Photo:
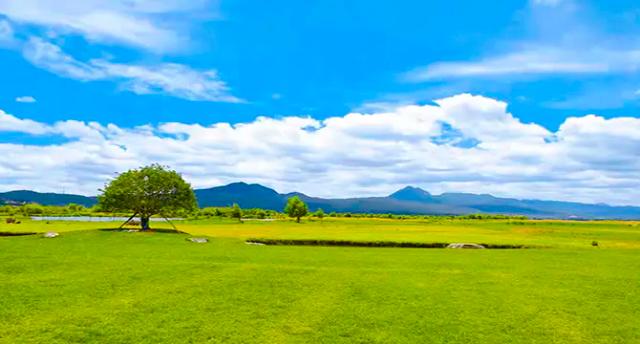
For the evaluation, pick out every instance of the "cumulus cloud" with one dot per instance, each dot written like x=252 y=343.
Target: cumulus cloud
x=589 y=158
x=11 y=123
x=167 y=78
x=25 y=99
x=159 y=26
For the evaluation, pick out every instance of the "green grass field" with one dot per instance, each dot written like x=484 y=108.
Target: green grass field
x=112 y=287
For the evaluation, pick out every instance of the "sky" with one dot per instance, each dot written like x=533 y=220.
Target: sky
x=534 y=99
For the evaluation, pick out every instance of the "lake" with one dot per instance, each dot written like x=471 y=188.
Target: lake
x=96 y=218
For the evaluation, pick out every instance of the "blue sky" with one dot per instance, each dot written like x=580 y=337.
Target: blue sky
x=325 y=58
x=142 y=65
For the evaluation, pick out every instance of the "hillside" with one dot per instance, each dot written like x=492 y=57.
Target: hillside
x=26 y=196
x=413 y=200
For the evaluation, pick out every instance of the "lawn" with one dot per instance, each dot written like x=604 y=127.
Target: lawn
x=97 y=286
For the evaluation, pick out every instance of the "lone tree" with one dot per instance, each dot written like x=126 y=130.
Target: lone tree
x=296 y=208
x=319 y=213
x=236 y=212
x=148 y=191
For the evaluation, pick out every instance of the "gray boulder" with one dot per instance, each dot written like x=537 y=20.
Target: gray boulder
x=199 y=240
x=464 y=245
x=50 y=235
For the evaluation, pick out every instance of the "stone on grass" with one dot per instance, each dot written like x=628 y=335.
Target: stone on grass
x=50 y=235
x=464 y=245
x=199 y=240
x=254 y=243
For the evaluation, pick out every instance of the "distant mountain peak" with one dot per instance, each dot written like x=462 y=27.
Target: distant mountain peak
x=411 y=193
x=244 y=187
x=295 y=193
x=237 y=184
x=246 y=195
x=414 y=189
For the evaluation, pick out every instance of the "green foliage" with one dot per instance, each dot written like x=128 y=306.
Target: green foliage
x=296 y=208
x=236 y=212
x=31 y=209
x=8 y=210
x=252 y=213
x=491 y=217
x=148 y=191
x=319 y=213
x=261 y=214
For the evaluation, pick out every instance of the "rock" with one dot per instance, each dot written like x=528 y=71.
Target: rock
x=464 y=245
x=199 y=240
x=254 y=243
x=50 y=235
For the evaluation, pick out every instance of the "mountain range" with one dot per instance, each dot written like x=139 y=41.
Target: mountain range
x=409 y=200
x=26 y=196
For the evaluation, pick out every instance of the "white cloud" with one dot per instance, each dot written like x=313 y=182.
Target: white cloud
x=25 y=99
x=49 y=56
x=160 y=26
x=157 y=26
x=167 y=78
x=11 y=123
x=551 y=3
x=560 y=38
x=6 y=31
x=534 y=60
x=588 y=158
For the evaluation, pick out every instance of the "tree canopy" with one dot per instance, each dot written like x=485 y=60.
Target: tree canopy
x=148 y=191
x=236 y=212
x=296 y=208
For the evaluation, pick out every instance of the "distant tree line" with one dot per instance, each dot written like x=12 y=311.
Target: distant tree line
x=33 y=209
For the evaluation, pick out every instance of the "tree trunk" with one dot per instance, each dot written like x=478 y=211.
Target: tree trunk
x=298 y=219
x=129 y=219
x=144 y=223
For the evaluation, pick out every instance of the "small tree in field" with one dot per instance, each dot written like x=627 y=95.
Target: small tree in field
x=319 y=213
x=236 y=212
x=148 y=191
x=296 y=208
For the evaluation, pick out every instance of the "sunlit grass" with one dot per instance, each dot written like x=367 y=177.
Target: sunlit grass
x=542 y=233
x=114 y=287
